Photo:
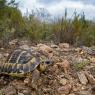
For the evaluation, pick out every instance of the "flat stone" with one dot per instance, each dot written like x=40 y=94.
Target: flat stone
x=92 y=59
x=65 y=65
x=63 y=81
x=72 y=94
x=64 y=89
x=54 y=46
x=92 y=90
x=64 y=45
x=45 y=49
x=91 y=79
x=84 y=93
x=1 y=55
x=20 y=94
x=82 y=78
x=27 y=92
x=27 y=80
x=26 y=47
x=10 y=90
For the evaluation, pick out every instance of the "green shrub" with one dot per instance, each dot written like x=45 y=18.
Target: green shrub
x=77 y=31
x=81 y=65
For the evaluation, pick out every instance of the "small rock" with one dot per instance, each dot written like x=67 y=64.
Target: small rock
x=45 y=49
x=83 y=93
x=92 y=70
x=82 y=78
x=65 y=65
x=54 y=69
x=1 y=92
x=56 y=59
x=91 y=79
x=63 y=81
x=79 y=60
x=26 y=47
x=64 y=45
x=13 y=42
x=6 y=54
x=92 y=59
x=45 y=90
x=27 y=92
x=27 y=81
x=2 y=48
x=10 y=90
x=64 y=89
x=2 y=82
x=72 y=94
x=54 y=46
x=19 y=85
x=1 y=55
x=34 y=93
x=78 y=49
x=20 y=93
x=83 y=87
x=23 y=42
x=92 y=90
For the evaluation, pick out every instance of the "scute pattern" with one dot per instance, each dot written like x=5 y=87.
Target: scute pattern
x=14 y=56
x=20 y=61
x=24 y=58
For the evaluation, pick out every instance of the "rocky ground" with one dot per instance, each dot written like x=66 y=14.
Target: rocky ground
x=72 y=73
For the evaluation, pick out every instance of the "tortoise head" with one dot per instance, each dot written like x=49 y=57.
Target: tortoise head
x=44 y=62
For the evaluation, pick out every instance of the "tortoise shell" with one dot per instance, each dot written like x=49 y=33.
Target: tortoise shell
x=23 y=61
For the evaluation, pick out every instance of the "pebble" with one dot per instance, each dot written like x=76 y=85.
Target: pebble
x=93 y=90
x=64 y=89
x=92 y=59
x=64 y=45
x=65 y=65
x=20 y=93
x=27 y=92
x=54 y=46
x=10 y=90
x=91 y=79
x=63 y=81
x=72 y=94
x=84 y=93
x=82 y=78
x=27 y=80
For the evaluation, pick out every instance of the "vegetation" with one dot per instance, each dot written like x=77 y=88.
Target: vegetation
x=78 y=30
x=81 y=65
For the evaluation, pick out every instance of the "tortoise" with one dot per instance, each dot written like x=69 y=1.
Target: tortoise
x=21 y=62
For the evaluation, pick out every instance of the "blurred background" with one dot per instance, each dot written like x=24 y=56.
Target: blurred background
x=69 y=21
